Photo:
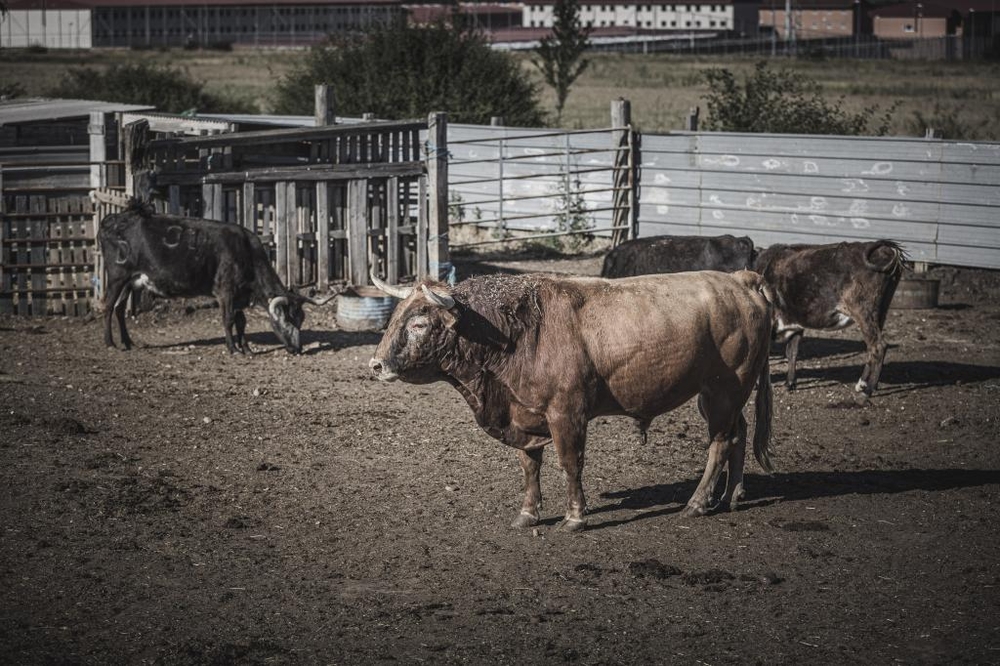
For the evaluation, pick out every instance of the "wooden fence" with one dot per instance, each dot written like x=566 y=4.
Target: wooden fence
x=329 y=201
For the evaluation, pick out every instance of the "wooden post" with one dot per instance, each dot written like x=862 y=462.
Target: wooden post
x=438 y=259
x=357 y=231
x=622 y=181
x=281 y=223
x=392 y=231
x=422 y=206
x=322 y=235
x=496 y=121
x=98 y=150
x=325 y=105
x=249 y=201
x=135 y=143
x=6 y=298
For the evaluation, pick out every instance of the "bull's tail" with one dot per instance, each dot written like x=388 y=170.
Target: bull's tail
x=764 y=402
x=763 y=411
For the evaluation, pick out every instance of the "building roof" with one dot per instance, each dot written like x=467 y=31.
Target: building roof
x=19 y=111
x=94 y=4
x=911 y=9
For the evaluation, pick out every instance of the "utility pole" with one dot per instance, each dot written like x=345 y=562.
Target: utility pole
x=789 y=35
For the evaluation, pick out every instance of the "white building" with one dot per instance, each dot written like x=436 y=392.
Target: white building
x=671 y=16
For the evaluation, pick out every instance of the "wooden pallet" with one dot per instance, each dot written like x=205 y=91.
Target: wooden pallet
x=46 y=254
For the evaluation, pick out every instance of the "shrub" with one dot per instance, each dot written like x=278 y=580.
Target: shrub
x=167 y=89
x=401 y=71
x=785 y=102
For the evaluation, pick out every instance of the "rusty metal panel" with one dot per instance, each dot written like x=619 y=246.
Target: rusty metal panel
x=940 y=199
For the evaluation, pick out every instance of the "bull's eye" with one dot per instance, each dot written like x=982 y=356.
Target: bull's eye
x=418 y=325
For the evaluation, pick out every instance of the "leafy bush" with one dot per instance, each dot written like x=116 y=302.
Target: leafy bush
x=784 y=102
x=948 y=124
x=167 y=89
x=402 y=71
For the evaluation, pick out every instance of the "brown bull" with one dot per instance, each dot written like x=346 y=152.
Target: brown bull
x=536 y=357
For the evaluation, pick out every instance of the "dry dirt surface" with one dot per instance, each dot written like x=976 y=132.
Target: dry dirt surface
x=177 y=505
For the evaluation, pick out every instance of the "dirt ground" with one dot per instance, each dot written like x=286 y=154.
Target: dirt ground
x=176 y=505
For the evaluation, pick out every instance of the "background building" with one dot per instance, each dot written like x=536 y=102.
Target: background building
x=191 y=23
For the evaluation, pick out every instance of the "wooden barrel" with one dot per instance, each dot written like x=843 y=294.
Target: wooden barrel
x=364 y=309
x=916 y=293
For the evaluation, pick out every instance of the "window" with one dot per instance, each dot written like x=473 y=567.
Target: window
x=908 y=27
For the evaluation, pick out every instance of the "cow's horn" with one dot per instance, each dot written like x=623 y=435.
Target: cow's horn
x=443 y=300
x=399 y=292
x=272 y=305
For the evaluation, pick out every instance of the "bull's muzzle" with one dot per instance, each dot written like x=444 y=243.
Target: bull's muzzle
x=381 y=370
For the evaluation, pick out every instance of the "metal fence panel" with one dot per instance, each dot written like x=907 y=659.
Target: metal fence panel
x=940 y=199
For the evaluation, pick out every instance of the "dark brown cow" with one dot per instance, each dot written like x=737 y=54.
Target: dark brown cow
x=830 y=287
x=675 y=254
x=537 y=356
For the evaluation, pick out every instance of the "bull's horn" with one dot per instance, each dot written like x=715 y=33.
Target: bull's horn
x=320 y=301
x=443 y=300
x=399 y=292
x=272 y=305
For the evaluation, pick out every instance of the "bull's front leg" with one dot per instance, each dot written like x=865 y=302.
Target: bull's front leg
x=228 y=321
x=531 y=465
x=569 y=435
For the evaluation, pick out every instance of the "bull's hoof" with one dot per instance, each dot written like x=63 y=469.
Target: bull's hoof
x=790 y=387
x=692 y=511
x=525 y=519
x=572 y=525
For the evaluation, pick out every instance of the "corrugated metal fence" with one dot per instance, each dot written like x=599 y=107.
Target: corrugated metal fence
x=941 y=199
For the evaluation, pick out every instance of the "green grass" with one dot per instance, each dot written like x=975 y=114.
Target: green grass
x=662 y=88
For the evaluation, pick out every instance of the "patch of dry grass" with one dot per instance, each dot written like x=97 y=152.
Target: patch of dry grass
x=662 y=88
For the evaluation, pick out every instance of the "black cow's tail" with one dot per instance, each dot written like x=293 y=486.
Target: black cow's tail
x=893 y=252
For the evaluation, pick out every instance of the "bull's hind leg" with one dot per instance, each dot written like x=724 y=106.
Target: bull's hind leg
x=531 y=465
x=734 y=467
x=723 y=432
x=240 y=324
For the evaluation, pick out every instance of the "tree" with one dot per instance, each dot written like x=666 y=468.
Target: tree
x=559 y=53
x=783 y=102
x=402 y=71
x=164 y=88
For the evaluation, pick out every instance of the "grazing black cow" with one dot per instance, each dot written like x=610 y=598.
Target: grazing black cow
x=676 y=254
x=175 y=256
x=830 y=287
x=537 y=356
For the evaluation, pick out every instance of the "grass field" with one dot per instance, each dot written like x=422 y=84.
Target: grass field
x=960 y=98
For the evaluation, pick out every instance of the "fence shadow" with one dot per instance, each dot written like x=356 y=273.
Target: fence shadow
x=265 y=342
x=793 y=486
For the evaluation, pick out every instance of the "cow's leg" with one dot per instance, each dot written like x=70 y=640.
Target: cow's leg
x=228 y=320
x=876 y=344
x=734 y=466
x=792 y=356
x=531 y=465
x=569 y=435
x=722 y=430
x=240 y=323
x=121 y=305
x=113 y=292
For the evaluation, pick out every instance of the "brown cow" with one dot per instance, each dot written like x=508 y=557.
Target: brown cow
x=537 y=356
x=832 y=286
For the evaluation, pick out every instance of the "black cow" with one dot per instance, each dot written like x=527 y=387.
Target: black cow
x=830 y=287
x=175 y=256
x=676 y=254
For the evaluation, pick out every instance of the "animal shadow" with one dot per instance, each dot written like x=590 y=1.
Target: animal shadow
x=764 y=490
x=897 y=377
x=265 y=342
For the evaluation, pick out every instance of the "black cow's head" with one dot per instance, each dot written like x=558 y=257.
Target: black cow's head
x=287 y=316
x=417 y=336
